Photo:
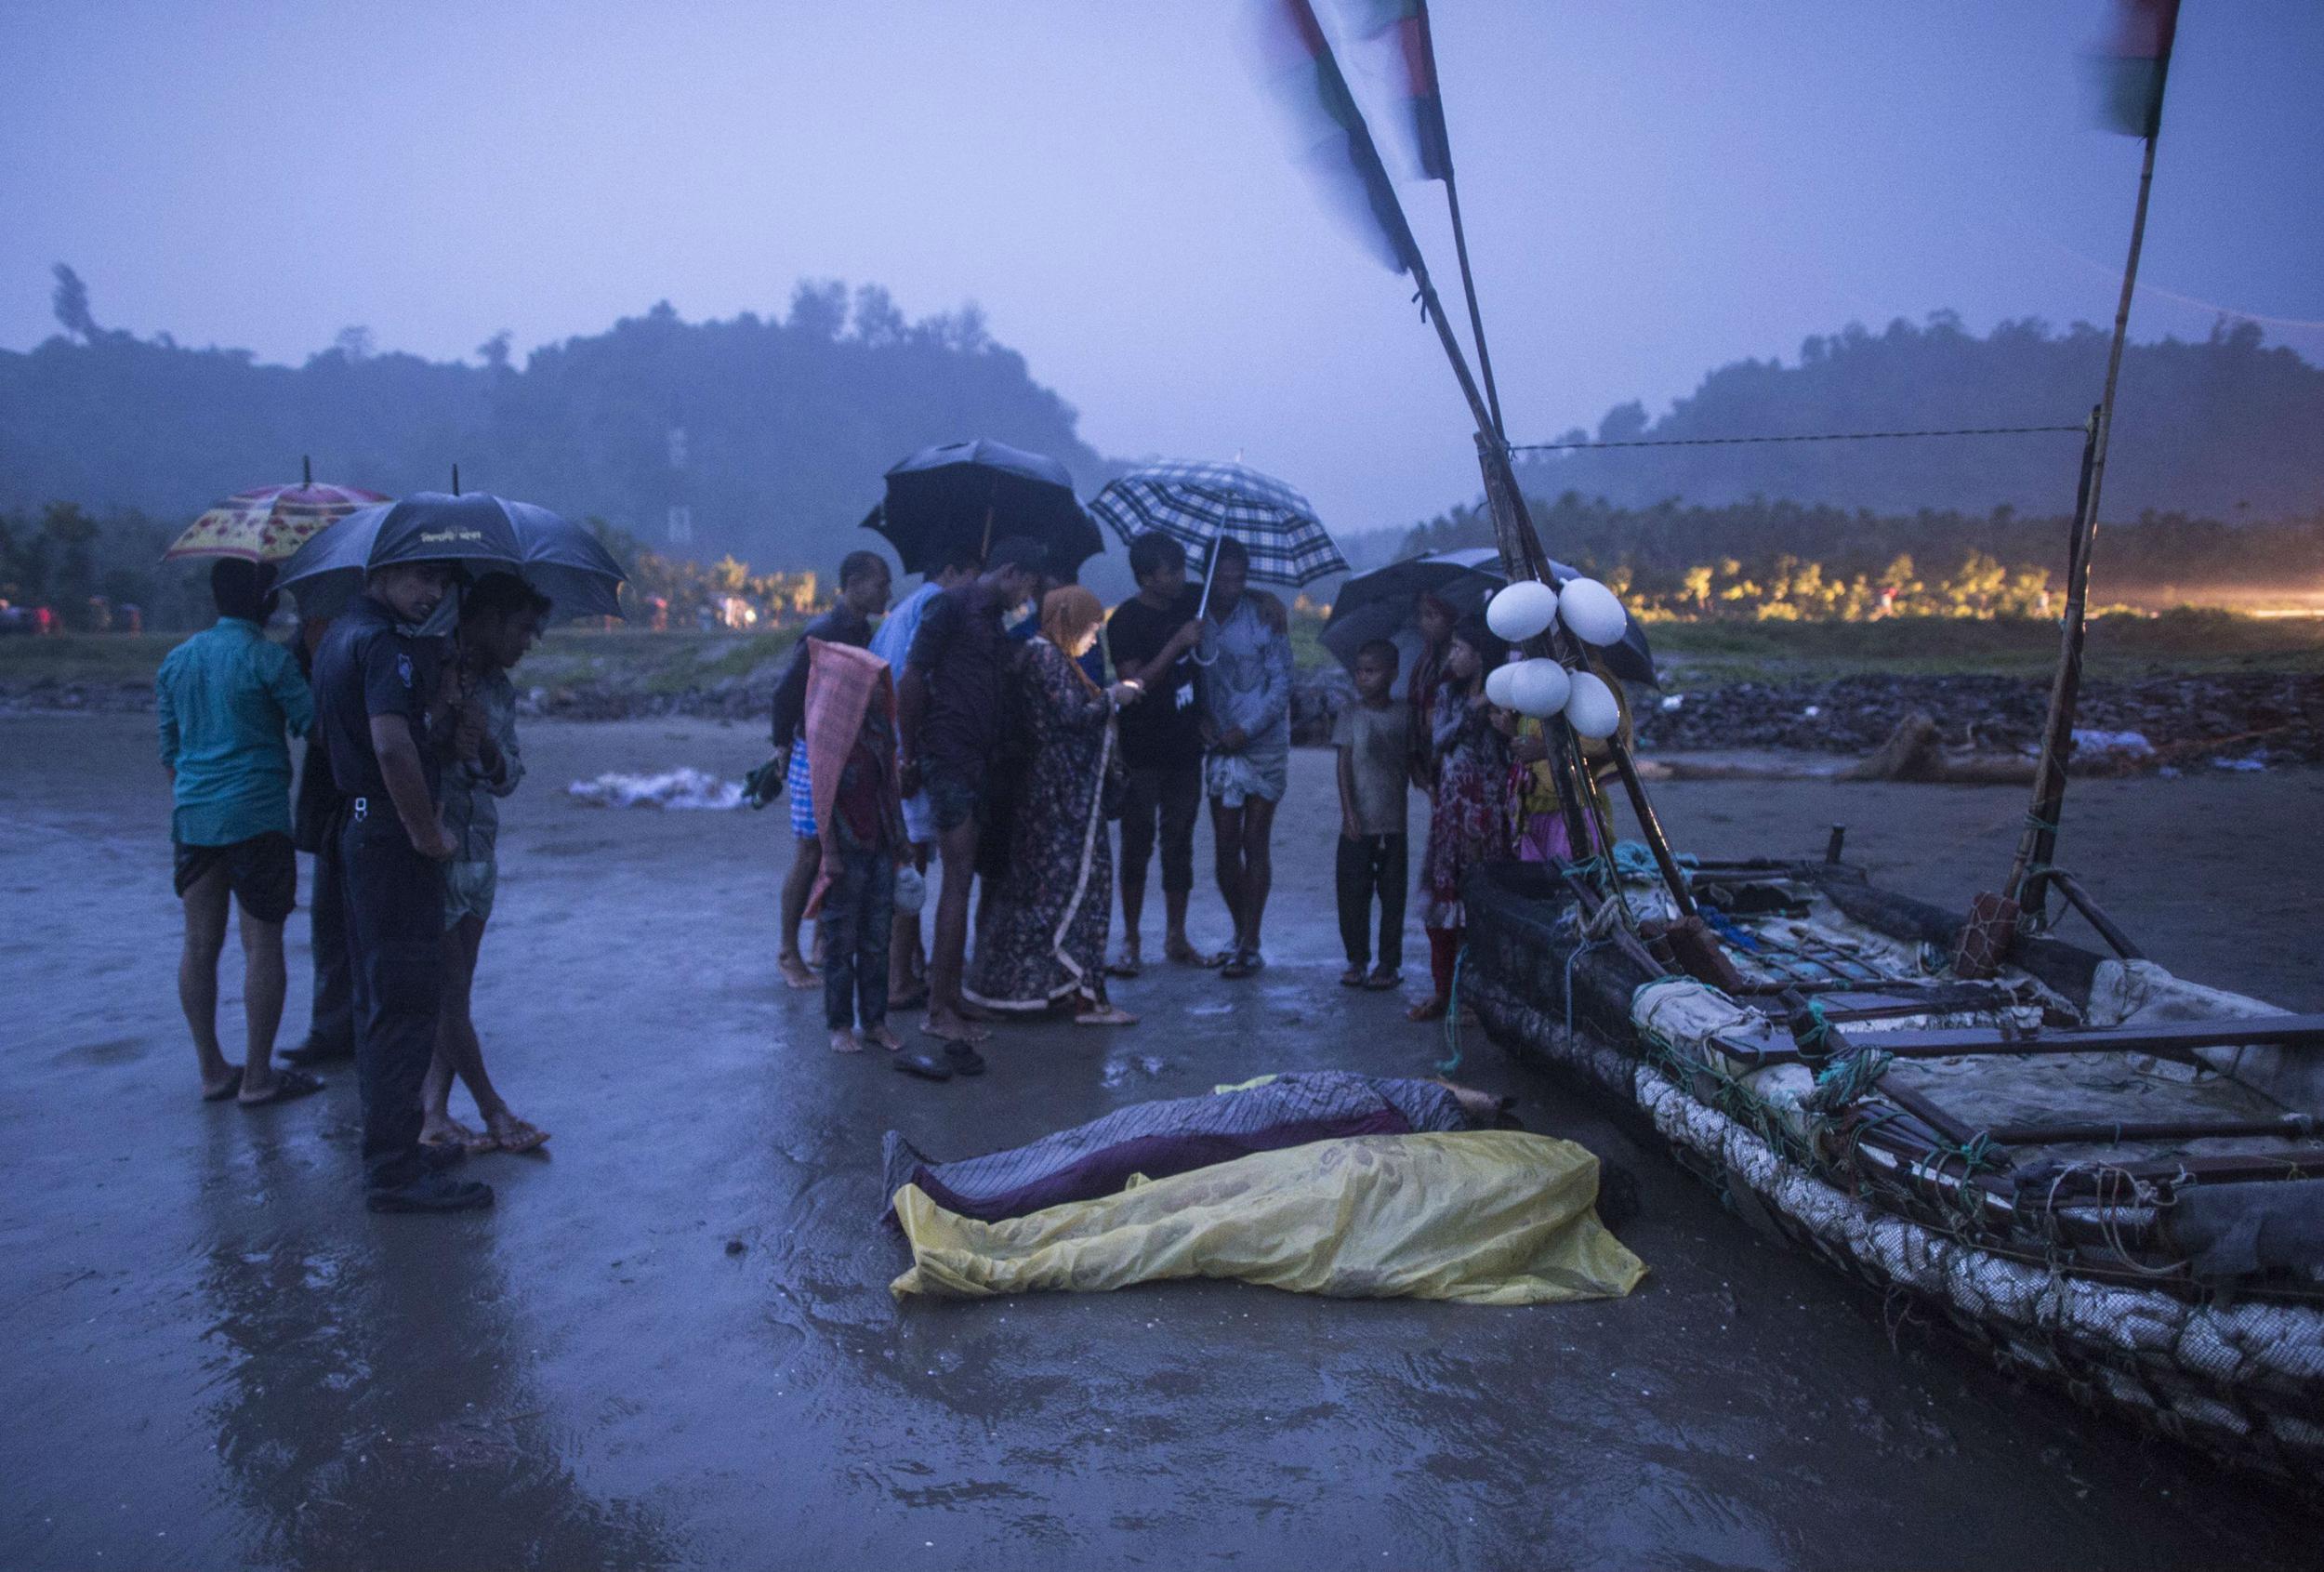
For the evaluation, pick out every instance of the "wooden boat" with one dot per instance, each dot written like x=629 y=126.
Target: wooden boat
x=2108 y=1178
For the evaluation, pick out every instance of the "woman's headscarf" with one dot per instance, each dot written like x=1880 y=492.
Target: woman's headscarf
x=1069 y=613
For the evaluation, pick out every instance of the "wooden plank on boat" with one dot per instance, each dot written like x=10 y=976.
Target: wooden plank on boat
x=2289 y=1125
x=1768 y=1045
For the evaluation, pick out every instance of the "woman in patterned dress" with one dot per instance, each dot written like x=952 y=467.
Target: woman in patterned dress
x=1044 y=941
x=1472 y=818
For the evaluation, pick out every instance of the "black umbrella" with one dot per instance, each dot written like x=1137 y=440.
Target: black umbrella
x=476 y=531
x=973 y=494
x=566 y=564
x=1379 y=605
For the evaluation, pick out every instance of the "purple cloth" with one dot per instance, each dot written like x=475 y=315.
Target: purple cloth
x=1172 y=1136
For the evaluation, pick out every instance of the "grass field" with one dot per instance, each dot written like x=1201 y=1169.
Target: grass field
x=1698 y=654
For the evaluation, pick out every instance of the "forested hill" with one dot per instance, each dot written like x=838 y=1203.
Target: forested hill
x=2227 y=429
x=770 y=435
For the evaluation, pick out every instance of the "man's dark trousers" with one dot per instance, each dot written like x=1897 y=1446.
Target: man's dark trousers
x=394 y=904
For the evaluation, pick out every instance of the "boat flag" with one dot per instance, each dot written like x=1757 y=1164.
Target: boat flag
x=1334 y=140
x=2132 y=69
x=1406 y=22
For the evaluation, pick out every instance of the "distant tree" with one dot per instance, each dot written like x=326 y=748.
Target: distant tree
x=353 y=344
x=818 y=309
x=494 y=351
x=876 y=322
x=71 y=303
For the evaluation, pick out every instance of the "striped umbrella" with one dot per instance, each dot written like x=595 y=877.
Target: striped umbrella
x=1195 y=504
x=267 y=524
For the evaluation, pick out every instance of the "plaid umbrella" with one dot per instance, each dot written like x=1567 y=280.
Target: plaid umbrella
x=267 y=524
x=1197 y=503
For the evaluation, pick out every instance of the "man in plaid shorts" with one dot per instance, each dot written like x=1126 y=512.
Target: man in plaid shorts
x=864 y=584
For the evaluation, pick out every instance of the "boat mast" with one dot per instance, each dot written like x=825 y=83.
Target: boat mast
x=2031 y=870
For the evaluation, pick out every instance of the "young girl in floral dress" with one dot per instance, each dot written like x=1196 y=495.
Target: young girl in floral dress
x=1472 y=818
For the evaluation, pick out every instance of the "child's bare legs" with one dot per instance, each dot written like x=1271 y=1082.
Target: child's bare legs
x=806 y=861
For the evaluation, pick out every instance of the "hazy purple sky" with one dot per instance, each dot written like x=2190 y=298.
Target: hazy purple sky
x=1653 y=187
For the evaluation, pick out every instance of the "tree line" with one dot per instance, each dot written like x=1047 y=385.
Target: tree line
x=753 y=435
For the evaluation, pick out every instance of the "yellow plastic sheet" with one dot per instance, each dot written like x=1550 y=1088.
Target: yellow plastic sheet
x=1483 y=1217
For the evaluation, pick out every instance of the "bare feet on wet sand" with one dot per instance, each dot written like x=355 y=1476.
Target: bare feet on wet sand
x=882 y=1035
x=843 y=1041
x=796 y=971
x=952 y=1027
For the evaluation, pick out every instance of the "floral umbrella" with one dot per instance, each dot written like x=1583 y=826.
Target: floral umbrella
x=267 y=524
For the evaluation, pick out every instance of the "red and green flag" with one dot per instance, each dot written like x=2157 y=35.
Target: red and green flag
x=2132 y=70
x=1405 y=24
x=1335 y=142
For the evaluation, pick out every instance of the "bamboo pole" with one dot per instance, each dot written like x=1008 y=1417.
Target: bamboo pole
x=2039 y=843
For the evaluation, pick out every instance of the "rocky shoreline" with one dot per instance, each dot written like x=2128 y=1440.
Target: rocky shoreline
x=2241 y=719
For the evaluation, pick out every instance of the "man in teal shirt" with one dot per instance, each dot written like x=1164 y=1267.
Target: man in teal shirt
x=225 y=698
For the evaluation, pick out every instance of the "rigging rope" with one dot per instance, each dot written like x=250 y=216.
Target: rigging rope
x=1811 y=437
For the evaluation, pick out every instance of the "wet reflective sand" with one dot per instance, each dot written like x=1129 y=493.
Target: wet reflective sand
x=673 y=1345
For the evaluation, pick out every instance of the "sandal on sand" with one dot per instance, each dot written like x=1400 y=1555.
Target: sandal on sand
x=522 y=1136
x=232 y=1087
x=289 y=1086
x=964 y=1060
x=1247 y=963
x=1381 y=981
x=1186 y=955
x=1126 y=966
x=925 y=1066
x=1351 y=978
x=1105 y=1015
x=1427 y=1010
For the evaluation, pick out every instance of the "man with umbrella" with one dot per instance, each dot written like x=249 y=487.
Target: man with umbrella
x=949 y=712
x=373 y=687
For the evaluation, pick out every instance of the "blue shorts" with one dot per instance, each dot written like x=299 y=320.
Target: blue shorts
x=803 y=794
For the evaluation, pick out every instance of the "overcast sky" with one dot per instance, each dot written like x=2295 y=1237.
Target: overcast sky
x=1653 y=187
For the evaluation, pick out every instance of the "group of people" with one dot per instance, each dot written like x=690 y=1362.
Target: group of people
x=972 y=733
x=411 y=745
x=975 y=732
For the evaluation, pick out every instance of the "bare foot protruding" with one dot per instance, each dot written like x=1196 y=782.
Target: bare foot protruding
x=883 y=1035
x=796 y=971
x=843 y=1041
x=449 y=1131
x=950 y=1027
x=1428 y=1009
x=1105 y=1015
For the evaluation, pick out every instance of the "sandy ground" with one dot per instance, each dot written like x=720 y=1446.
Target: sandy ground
x=672 y=1342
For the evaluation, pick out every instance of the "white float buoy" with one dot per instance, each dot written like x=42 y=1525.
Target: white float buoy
x=1538 y=688
x=1521 y=610
x=1590 y=708
x=1589 y=610
x=1496 y=683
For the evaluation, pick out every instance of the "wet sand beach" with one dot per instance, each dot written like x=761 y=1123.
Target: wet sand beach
x=672 y=1342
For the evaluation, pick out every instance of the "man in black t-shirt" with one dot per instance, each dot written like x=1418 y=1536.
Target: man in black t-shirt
x=374 y=684
x=949 y=716
x=1152 y=638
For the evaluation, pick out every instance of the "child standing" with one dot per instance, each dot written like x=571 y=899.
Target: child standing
x=851 y=739
x=1373 y=736
x=1473 y=819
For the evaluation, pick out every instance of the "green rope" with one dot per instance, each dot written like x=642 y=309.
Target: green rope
x=2035 y=821
x=1452 y=1015
x=1845 y=1079
x=1814 y=1037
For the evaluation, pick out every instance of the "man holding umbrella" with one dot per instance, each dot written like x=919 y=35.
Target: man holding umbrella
x=373 y=683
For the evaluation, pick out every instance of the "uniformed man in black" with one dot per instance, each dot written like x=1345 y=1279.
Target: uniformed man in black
x=373 y=683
